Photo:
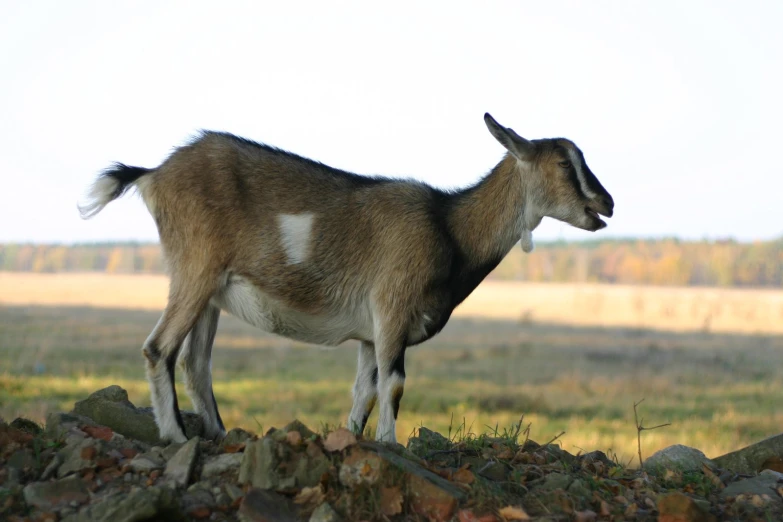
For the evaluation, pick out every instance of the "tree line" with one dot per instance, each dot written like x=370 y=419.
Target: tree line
x=622 y=261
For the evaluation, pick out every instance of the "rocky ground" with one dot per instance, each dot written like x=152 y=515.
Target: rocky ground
x=103 y=461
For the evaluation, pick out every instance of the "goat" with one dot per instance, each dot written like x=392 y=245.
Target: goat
x=320 y=255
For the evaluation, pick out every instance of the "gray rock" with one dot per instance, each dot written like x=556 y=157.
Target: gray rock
x=198 y=498
x=677 y=458
x=139 y=505
x=21 y=459
x=170 y=450
x=146 y=462
x=324 y=513
x=496 y=471
x=58 y=423
x=111 y=407
x=233 y=491
x=56 y=494
x=51 y=468
x=552 y=482
x=765 y=483
x=426 y=442
x=261 y=468
x=221 y=464
x=258 y=465
x=751 y=458
x=71 y=456
x=579 y=489
x=236 y=436
x=180 y=467
x=267 y=506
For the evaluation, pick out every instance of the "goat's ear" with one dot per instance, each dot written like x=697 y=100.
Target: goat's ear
x=521 y=148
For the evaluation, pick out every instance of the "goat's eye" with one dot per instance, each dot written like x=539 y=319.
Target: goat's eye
x=565 y=164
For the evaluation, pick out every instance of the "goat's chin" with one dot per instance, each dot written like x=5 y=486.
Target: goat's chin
x=586 y=222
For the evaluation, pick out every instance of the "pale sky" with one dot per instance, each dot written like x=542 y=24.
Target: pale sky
x=677 y=105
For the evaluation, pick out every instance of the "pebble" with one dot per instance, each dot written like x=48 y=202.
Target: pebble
x=128 y=477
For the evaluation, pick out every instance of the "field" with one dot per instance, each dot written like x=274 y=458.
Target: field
x=570 y=358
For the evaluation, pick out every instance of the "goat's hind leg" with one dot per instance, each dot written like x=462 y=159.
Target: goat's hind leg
x=187 y=301
x=365 y=388
x=196 y=363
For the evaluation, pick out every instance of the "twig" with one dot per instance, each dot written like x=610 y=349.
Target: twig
x=555 y=438
x=640 y=428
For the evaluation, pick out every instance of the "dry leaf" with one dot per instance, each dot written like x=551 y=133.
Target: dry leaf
x=391 y=501
x=312 y=496
x=339 y=439
x=631 y=510
x=605 y=509
x=621 y=499
x=235 y=448
x=716 y=481
x=780 y=491
x=514 y=513
x=464 y=476
x=505 y=454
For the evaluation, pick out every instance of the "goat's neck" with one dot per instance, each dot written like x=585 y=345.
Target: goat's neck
x=488 y=218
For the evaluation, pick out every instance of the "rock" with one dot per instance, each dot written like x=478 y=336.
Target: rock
x=339 y=439
x=427 y=441
x=76 y=457
x=324 y=513
x=111 y=407
x=26 y=426
x=259 y=462
x=260 y=505
x=146 y=462
x=597 y=456
x=360 y=467
x=58 y=424
x=220 y=464
x=678 y=507
x=430 y=500
x=752 y=458
x=197 y=498
x=677 y=458
x=268 y=464
x=555 y=453
x=56 y=494
x=180 y=467
x=765 y=483
x=372 y=462
x=233 y=491
x=152 y=503
x=235 y=437
x=303 y=430
x=552 y=482
x=496 y=471
x=579 y=489
x=21 y=459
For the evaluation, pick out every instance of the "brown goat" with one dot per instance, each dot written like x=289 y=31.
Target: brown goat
x=320 y=255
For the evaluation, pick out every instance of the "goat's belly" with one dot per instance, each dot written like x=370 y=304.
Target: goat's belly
x=245 y=301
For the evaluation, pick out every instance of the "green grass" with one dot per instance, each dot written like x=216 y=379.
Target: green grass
x=719 y=392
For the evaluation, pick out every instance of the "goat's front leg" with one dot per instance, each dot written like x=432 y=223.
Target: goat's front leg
x=390 y=356
x=365 y=389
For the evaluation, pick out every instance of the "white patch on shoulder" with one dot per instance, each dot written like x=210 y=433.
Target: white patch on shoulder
x=295 y=235
x=580 y=175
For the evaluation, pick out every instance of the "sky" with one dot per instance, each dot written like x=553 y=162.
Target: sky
x=676 y=105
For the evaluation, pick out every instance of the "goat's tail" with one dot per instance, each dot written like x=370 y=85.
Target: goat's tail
x=111 y=184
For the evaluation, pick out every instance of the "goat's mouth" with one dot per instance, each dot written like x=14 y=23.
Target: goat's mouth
x=596 y=222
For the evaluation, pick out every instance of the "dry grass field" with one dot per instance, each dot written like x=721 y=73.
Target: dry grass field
x=570 y=358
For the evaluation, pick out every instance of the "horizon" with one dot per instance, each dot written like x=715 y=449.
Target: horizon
x=677 y=124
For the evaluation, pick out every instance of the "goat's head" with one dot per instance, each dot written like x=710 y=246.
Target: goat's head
x=558 y=182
